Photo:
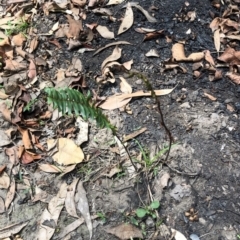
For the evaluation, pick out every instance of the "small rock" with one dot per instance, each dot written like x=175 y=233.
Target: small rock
x=149 y=222
x=194 y=237
x=202 y=221
x=185 y=105
x=139 y=81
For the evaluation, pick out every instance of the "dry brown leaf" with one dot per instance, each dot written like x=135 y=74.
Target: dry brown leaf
x=210 y=96
x=52 y=214
x=32 y=72
x=11 y=230
x=33 y=44
x=69 y=201
x=128 y=65
x=153 y=35
x=117 y=52
x=214 y=25
x=80 y=3
x=234 y=77
x=217 y=42
x=18 y=39
x=91 y=3
x=3 y=95
x=103 y=11
x=77 y=64
x=152 y=53
x=14 y=66
x=75 y=27
x=230 y=56
x=127 y=20
x=230 y=108
x=4 y=181
x=117 y=101
x=104 y=32
x=124 y=86
x=68 y=152
x=209 y=58
x=114 y=170
x=28 y=157
x=134 y=134
x=12 y=153
x=2 y=168
x=125 y=231
x=83 y=207
x=70 y=228
x=26 y=138
x=60 y=75
x=111 y=44
x=10 y=193
x=178 y=54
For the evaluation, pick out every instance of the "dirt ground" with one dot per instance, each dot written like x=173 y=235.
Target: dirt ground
x=204 y=162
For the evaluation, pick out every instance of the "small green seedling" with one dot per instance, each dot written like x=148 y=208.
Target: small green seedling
x=238 y=236
x=148 y=161
x=102 y=216
x=29 y=106
x=15 y=28
x=148 y=210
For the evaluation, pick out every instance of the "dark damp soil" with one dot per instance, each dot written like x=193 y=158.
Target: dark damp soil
x=204 y=164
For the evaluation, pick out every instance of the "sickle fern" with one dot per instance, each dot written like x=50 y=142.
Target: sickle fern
x=69 y=101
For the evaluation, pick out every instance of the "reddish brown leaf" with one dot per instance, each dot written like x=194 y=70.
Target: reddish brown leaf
x=234 y=77
x=27 y=157
x=75 y=27
x=2 y=167
x=32 y=72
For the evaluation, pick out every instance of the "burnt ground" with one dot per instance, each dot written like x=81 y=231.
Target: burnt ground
x=204 y=165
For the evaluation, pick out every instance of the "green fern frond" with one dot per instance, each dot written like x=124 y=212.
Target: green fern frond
x=70 y=101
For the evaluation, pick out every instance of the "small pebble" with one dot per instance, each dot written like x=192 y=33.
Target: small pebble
x=194 y=237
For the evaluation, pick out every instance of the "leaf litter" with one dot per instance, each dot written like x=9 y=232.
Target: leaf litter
x=67 y=151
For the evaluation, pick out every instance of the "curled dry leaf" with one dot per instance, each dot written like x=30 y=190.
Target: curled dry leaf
x=125 y=231
x=230 y=56
x=150 y=18
x=234 y=77
x=104 y=32
x=117 y=101
x=209 y=58
x=153 y=35
x=12 y=154
x=117 y=52
x=80 y=3
x=127 y=20
x=179 y=55
x=109 y=45
x=33 y=44
x=210 y=96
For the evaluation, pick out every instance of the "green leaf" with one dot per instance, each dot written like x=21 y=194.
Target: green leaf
x=141 y=212
x=155 y=204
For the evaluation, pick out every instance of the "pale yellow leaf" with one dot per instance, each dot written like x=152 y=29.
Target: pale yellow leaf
x=115 y=2
x=68 y=152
